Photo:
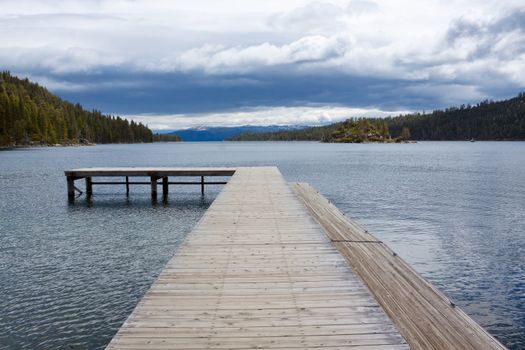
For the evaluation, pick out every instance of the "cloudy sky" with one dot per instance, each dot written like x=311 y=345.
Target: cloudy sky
x=223 y=62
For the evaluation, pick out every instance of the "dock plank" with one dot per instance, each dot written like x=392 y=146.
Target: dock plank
x=425 y=316
x=142 y=171
x=257 y=271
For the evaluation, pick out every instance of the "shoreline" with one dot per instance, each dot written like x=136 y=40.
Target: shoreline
x=12 y=147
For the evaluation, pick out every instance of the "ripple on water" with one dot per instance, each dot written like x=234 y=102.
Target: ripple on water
x=72 y=274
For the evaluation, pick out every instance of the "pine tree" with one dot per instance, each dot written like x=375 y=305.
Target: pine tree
x=405 y=134
x=30 y=113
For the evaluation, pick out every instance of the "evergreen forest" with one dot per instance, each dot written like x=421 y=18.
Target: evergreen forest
x=487 y=120
x=31 y=115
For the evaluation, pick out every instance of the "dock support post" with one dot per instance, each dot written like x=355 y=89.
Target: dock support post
x=153 y=186
x=202 y=185
x=89 y=187
x=165 y=186
x=71 y=188
x=127 y=185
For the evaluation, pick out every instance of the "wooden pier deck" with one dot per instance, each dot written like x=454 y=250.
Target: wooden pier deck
x=257 y=272
x=262 y=270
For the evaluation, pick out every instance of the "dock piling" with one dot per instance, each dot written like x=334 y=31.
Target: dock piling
x=165 y=187
x=153 y=186
x=89 y=187
x=127 y=185
x=71 y=187
x=202 y=185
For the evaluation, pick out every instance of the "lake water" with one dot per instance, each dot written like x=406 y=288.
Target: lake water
x=71 y=274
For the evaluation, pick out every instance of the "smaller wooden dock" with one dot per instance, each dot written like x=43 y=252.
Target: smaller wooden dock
x=157 y=176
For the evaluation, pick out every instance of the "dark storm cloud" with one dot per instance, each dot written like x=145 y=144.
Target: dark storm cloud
x=190 y=93
x=142 y=58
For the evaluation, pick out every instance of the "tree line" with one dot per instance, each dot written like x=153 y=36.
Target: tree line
x=487 y=120
x=30 y=114
x=171 y=137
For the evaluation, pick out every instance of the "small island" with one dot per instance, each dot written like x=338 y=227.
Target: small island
x=365 y=131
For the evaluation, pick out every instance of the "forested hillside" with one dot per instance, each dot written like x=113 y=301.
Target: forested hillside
x=30 y=114
x=166 y=137
x=316 y=133
x=502 y=120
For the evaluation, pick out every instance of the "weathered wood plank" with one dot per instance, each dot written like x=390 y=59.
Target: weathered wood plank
x=257 y=272
x=161 y=171
x=425 y=316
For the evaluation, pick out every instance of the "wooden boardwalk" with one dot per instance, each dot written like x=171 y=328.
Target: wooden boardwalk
x=257 y=272
x=273 y=266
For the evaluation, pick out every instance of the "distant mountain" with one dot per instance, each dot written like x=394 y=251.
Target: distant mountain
x=487 y=120
x=223 y=133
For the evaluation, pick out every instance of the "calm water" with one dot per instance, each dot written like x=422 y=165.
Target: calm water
x=70 y=275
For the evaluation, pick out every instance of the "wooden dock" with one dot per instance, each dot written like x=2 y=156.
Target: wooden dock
x=273 y=266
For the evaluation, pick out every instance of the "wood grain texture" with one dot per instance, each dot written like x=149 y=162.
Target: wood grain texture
x=257 y=272
x=425 y=316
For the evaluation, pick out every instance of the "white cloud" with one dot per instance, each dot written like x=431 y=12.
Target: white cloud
x=314 y=18
x=215 y=59
x=362 y=7
x=57 y=85
x=470 y=47
x=303 y=115
x=235 y=36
